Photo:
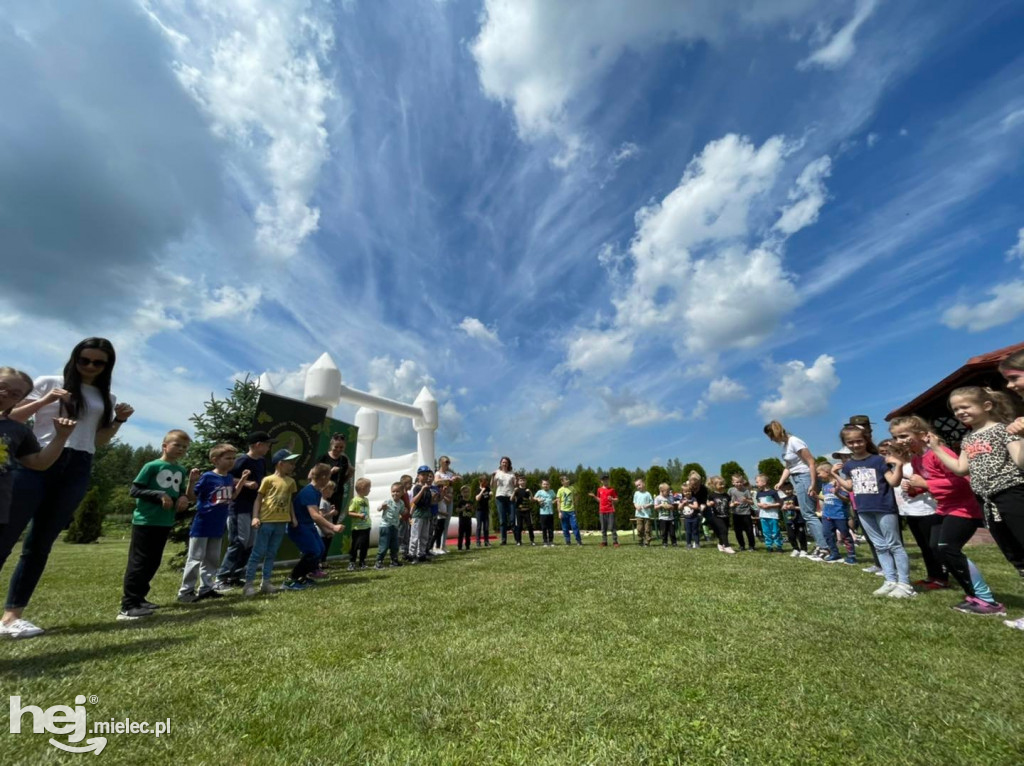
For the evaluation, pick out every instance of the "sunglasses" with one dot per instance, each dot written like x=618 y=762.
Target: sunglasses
x=86 y=362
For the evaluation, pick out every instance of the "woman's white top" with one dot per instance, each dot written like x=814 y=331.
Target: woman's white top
x=791 y=456
x=504 y=483
x=918 y=505
x=84 y=436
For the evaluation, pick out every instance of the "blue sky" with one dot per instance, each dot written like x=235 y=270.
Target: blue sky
x=601 y=232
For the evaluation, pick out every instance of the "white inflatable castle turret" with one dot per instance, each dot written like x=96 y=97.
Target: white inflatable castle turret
x=324 y=386
x=263 y=381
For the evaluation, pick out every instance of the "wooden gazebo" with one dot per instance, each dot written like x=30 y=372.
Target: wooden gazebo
x=932 y=405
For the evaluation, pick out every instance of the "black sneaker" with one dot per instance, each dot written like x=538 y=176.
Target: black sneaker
x=209 y=594
x=396 y=564
x=149 y=605
x=351 y=567
x=362 y=565
x=135 y=613
x=379 y=565
x=187 y=598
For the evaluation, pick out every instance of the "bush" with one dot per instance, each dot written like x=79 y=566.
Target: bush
x=771 y=467
x=119 y=502
x=87 y=526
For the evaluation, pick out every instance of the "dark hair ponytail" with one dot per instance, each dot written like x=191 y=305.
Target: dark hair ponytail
x=74 y=407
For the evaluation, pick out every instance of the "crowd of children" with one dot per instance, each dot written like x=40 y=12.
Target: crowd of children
x=943 y=496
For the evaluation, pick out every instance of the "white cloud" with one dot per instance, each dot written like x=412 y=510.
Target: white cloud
x=806 y=197
x=1005 y=305
x=228 y=301
x=255 y=67
x=904 y=132
x=402 y=382
x=1017 y=251
x=693 y=276
x=538 y=56
x=872 y=139
x=736 y=299
x=477 y=330
x=841 y=48
x=176 y=300
x=598 y=352
x=803 y=390
x=1012 y=120
x=627 y=151
x=9 y=320
x=725 y=389
x=626 y=408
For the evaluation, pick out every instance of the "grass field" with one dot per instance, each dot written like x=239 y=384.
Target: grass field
x=534 y=656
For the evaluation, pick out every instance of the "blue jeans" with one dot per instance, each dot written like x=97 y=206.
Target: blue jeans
x=269 y=537
x=692 y=530
x=240 y=539
x=801 y=483
x=504 y=515
x=387 y=542
x=47 y=500
x=772 y=535
x=483 y=527
x=884 y=531
x=569 y=521
x=830 y=527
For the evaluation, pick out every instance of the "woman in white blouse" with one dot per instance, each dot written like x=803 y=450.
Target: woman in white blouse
x=799 y=469
x=45 y=501
x=503 y=484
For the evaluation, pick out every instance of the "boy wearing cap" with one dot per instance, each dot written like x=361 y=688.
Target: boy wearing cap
x=419 y=533
x=240 y=531
x=271 y=514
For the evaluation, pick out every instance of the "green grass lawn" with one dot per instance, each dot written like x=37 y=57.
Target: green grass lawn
x=534 y=656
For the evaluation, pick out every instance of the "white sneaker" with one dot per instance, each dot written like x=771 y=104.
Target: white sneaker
x=871 y=569
x=803 y=554
x=268 y=587
x=887 y=587
x=249 y=589
x=795 y=554
x=903 y=590
x=1015 y=624
x=20 y=629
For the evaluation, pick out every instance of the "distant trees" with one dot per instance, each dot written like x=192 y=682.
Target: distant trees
x=771 y=467
x=656 y=475
x=729 y=469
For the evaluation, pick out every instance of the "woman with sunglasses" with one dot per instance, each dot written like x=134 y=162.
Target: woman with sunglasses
x=45 y=501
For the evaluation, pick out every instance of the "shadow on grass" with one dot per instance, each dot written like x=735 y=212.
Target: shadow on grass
x=364 y=579
x=167 y=616
x=52 y=663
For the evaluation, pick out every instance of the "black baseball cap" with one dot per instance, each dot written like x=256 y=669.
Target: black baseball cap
x=257 y=437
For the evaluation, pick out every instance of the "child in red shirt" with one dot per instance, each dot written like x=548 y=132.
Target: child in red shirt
x=606 y=498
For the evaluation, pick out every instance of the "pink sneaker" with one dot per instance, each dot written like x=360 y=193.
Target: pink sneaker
x=974 y=605
x=318 y=574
